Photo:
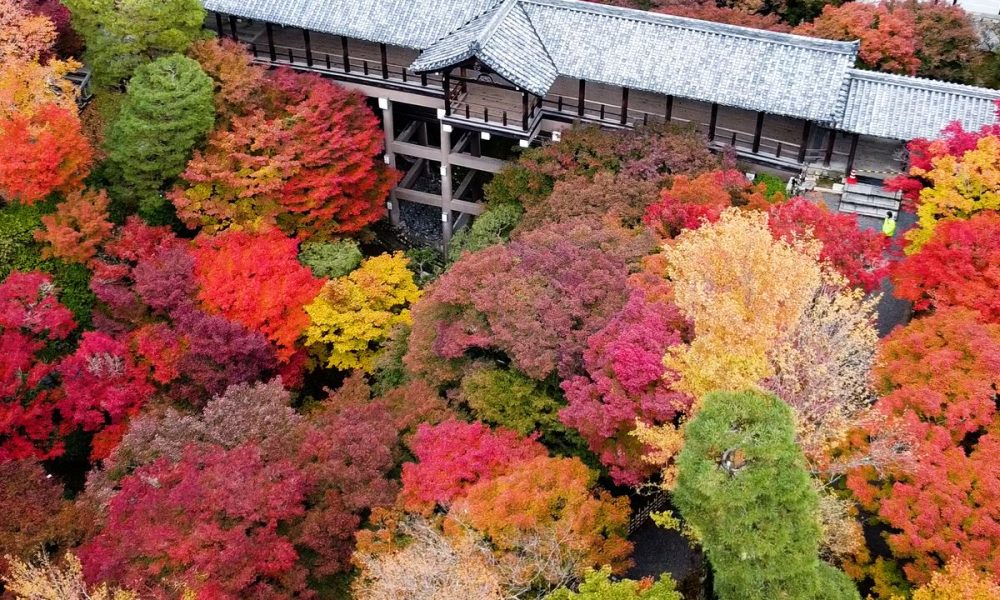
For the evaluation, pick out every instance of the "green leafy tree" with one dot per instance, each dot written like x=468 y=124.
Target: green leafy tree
x=744 y=489
x=331 y=259
x=121 y=35
x=596 y=585
x=490 y=228
x=512 y=400
x=167 y=110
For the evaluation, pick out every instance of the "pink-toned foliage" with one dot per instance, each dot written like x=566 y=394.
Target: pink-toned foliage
x=625 y=381
x=536 y=300
x=454 y=455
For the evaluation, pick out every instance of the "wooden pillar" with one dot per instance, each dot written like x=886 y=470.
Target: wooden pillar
x=712 y=121
x=219 y=28
x=232 y=27
x=853 y=152
x=670 y=108
x=804 y=143
x=345 y=54
x=390 y=157
x=830 y=141
x=385 y=60
x=446 y=84
x=757 y=132
x=309 y=50
x=524 y=110
x=446 y=192
x=582 y=98
x=476 y=144
x=269 y=29
x=624 y=118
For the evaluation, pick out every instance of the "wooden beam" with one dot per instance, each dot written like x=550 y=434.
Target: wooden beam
x=757 y=132
x=712 y=121
x=830 y=141
x=389 y=130
x=853 y=152
x=475 y=145
x=446 y=84
x=219 y=28
x=269 y=29
x=624 y=117
x=524 y=110
x=385 y=61
x=345 y=54
x=804 y=143
x=670 y=108
x=309 y=50
x=232 y=27
x=582 y=98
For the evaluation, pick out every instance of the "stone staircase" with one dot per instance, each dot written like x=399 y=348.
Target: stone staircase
x=869 y=200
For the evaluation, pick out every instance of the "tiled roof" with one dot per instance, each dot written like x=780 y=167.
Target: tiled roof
x=757 y=70
x=531 y=42
x=905 y=108
x=734 y=66
x=409 y=23
x=503 y=38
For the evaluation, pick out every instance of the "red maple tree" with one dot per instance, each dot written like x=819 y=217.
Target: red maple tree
x=42 y=153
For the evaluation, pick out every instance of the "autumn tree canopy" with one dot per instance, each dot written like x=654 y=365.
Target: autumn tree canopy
x=305 y=161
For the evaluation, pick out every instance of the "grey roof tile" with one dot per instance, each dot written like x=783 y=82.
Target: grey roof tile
x=904 y=108
x=531 y=42
x=408 y=23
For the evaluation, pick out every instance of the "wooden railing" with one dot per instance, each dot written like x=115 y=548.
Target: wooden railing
x=298 y=56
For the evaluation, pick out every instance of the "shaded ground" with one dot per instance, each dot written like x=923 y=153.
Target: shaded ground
x=891 y=310
x=659 y=550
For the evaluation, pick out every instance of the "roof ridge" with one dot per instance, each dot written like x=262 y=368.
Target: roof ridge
x=500 y=12
x=538 y=36
x=643 y=16
x=922 y=82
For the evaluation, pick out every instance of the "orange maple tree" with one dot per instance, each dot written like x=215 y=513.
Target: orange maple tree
x=255 y=279
x=42 y=153
x=78 y=228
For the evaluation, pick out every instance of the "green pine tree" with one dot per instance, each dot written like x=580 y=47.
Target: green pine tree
x=121 y=35
x=167 y=111
x=744 y=489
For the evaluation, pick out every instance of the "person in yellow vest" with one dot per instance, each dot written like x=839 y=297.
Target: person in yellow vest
x=889 y=224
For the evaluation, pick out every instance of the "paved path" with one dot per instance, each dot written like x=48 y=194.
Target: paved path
x=891 y=310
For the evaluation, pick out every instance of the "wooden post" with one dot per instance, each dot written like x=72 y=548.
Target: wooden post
x=670 y=108
x=218 y=24
x=446 y=83
x=624 y=117
x=757 y=132
x=270 y=42
x=803 y=146
x=830 y=141
x=385 y=61
x=446 y=192
x=524 y=110
x=309 y=50
x=390 y=156
x=232 y=27
x=345 y=54
x=712 y=121
x=582 y=98
x=853 y=152
x=475 y=144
